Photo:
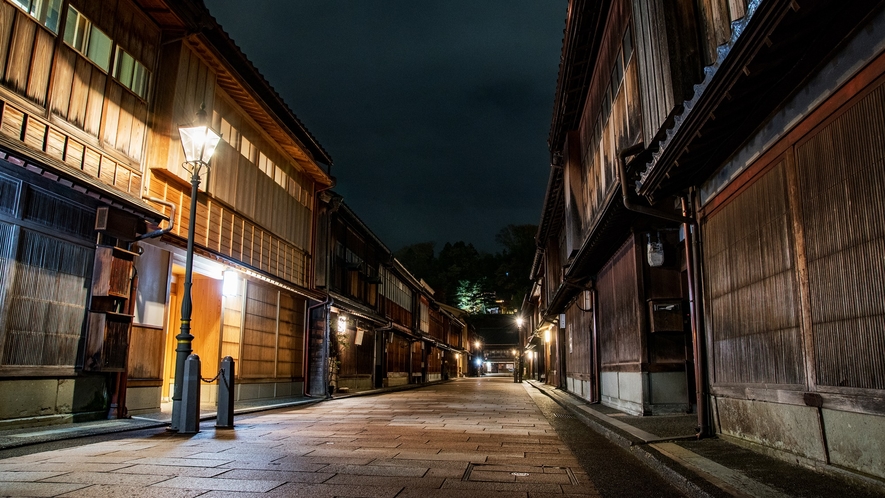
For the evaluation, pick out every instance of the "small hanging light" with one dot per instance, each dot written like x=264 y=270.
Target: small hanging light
x=655 y=251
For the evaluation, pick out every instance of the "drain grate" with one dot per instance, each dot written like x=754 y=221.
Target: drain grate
x=563 y=415
x=479 y=472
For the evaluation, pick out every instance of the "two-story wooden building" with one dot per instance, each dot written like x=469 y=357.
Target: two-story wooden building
x=91 y=97
x=379 y=326
x=254 y=226
x=711 y=232
x=75 y=93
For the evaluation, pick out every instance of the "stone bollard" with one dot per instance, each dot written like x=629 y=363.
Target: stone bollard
x=225 y=419
x=189 y=418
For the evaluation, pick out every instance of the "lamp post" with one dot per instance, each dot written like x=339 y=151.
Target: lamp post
x=477 y=354
x=517 y=362
x=199 y=142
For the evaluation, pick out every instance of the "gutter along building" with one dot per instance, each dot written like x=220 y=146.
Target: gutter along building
x=710 y=238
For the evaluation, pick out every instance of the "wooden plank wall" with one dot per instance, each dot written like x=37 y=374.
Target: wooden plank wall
x=358 y=360
x=112 y=119
x=715 y=17
x=227 y=232
x=7 y=18
x=749 y=259
x=396 y=312
x=260 y=332
x=290 y=350
x=619 y=309
x=232 y=323
x=40 y=135
x=239 y=182
x=398 y=356
x=650 y=40
x=579 y=343
x=434 y=361
x=611 y=117
x=437 y=328
x=271 y=343
x=417 y=358
x=146 y=348
x=841 y=179
x=178 y=104
x=206 y=322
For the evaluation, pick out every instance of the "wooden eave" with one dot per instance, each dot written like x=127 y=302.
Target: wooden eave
x=38 y=162
x=357 y=308
x=551 y=217
x=261 y=103
x=773 y=50
x=347 y=213
x=240 y=79
x=585 y=26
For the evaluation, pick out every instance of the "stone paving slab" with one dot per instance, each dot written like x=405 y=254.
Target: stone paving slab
x=111 y=491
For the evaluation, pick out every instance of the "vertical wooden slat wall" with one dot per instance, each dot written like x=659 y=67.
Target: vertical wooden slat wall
x=7 y=18
x=20 y=49
x=231 y=324
x=653 y=56
x=841 y=173
x=580 y=361
x=259 y=334
x=620 y=345
x=397 y=356
x=239 y=238
x=749 y=257
x=290 y=350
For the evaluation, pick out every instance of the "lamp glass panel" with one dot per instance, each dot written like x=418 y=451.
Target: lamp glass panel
x=198 y=142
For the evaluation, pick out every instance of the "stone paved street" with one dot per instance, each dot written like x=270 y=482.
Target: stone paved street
x=469 y=438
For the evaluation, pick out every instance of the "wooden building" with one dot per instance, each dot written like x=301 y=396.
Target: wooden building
x=91 y=97
x=254 y=226
x=75 y=93
x=714 y=201
x=351 y=257
x=374 y=335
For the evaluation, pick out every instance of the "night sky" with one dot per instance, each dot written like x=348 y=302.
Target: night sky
x=435 y=112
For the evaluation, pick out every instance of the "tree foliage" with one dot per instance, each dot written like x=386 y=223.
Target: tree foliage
x=470 y=279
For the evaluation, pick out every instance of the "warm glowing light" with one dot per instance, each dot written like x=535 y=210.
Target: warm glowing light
x=342 y=324
x=519 y=321
x=198 y=142
x=231 y=284
x=547 y=336
x=476 y=344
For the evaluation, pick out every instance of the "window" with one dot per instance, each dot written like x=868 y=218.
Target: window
x=279 y=176
x=85 y=38
x=246 y=149
x=131 y=73
x=228 y=133
x=44 y=11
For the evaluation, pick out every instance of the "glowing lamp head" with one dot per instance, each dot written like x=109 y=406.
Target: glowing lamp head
x=199 y=141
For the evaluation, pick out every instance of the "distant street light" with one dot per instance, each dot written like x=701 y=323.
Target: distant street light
x=198 y=142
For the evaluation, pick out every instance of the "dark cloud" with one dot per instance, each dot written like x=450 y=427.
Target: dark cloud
x=435 y=112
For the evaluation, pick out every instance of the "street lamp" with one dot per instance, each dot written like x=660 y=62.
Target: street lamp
x=199 y=142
